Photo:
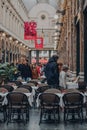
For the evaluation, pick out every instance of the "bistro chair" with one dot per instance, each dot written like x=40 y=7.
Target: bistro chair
x=23 y=90
x=3 y=107
x=18 y=105
x=30 y=84
x=82 y=86
x=26 y=87
x=34 y=82
x=18 y=83
x=3 y=90
x=71 y=90
x=73 y=106
x=52 y=90
x=8 y=87
x=49 y=105
x=42 y=88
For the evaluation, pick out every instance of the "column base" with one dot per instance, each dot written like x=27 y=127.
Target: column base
x=81 y=75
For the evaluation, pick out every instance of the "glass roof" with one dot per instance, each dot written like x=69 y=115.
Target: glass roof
x=31 y=3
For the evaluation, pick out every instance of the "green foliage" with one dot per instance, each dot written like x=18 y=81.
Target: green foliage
x=7 y=71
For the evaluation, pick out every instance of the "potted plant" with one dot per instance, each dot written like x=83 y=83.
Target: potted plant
x=7 y=72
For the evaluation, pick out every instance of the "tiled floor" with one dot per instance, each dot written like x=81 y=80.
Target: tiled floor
x=34 y=124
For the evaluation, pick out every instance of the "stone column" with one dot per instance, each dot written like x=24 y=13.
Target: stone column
x=1 y=13
x=81 y=42
x=49 y=53
x=29 y=56
x=0 y=48
x=4 y=16
x=37 y=56
x=73 y=39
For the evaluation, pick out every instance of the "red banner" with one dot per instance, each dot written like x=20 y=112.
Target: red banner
x=39 y=43
x=30 y=30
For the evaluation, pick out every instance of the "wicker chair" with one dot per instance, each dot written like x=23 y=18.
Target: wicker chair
x=52 y=90
x=41 y=89
x=26 y=87
x=18 y=83
x=23 y=90
x=49 y=104
x=3 y=109
x=17 y=105
x=8 y=87
x=34 y=82
x=73 y=105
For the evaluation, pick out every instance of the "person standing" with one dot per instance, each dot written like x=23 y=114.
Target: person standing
x=63 y=76
x=25 y=70
x=52 y=72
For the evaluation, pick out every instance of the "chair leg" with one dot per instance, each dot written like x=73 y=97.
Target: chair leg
x=9 y=116
x=27 y=115
x=58 y=115
x=64 y=114
x=40 y=117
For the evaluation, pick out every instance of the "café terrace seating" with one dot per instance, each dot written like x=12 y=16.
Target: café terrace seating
x=18 y=105
x=49 y=106
x=34 y=82
x=52 y=90
x=73 y=106
x=8 y=87
x=18 y=83
x=51 y=102
x=23 y=90
x=27 y=87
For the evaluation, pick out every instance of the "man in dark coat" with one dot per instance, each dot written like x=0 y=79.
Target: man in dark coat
x=25 y=70
x=52 y=72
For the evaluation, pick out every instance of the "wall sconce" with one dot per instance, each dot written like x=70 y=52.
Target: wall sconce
x=55 y=38
x=16 y=41
x=58 y=31
x=3 y=34
x=57 y=23
x=56 y=26
x=56 y=16
x=56 y=41
x=21 y=44
x=10 y=38
x=62 y=12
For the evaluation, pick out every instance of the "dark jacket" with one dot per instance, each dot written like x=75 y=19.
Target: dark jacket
x=25 y=70
x=52 y=72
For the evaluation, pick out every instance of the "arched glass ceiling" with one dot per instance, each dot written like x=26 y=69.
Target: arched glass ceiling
x=31 y=3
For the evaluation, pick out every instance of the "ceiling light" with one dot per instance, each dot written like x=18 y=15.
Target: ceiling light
x=16 y=41
x=3 y=34
x=56 y=16
x=55 y=38
x=21 y=44
x=56 y=26
x=55 y=33
x=55 y=41
x=10 y=38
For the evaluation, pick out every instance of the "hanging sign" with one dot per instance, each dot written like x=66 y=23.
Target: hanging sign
x=39 y=43
x=30 y=32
